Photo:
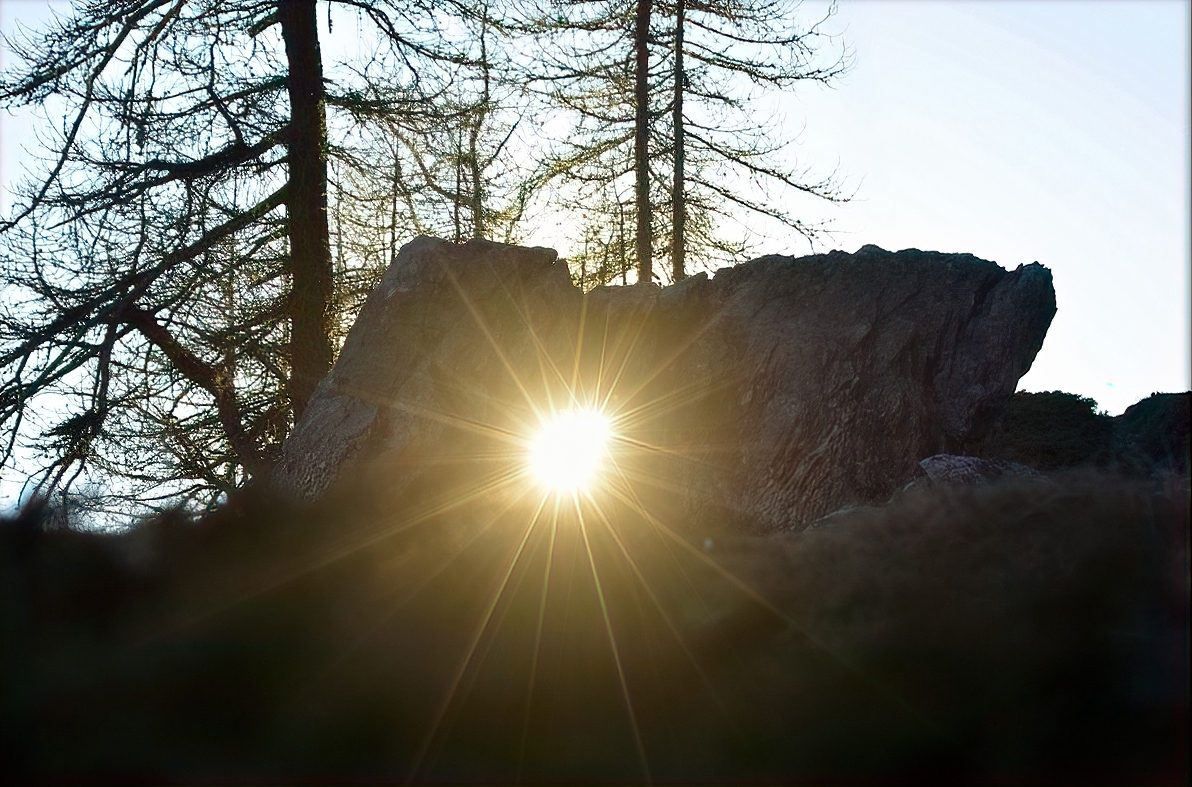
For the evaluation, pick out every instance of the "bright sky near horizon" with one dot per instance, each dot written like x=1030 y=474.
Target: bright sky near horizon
x=1054 y=131
x=1051 y=131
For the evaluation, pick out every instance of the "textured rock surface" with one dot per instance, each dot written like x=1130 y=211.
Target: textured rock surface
x=763 y=398
x=949 y=470
x=422 y=354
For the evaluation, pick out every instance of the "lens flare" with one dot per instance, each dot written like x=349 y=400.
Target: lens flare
x=569 y=450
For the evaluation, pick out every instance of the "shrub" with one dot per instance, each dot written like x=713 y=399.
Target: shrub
x=1052 y=431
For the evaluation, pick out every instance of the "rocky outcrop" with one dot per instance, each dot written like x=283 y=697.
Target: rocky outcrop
x=762 y=398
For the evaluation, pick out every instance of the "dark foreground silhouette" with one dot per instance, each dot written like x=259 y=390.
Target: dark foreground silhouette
x=1018 y=633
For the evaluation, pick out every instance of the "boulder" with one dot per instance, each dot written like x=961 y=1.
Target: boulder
x=759 y=399
x=948 y=470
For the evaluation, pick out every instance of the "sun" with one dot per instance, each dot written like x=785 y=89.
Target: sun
x=569 y=450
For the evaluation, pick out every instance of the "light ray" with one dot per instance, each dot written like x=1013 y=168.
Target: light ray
x=768 y=605
x=677 y=397
x=550 y=555
x=410 y=592
x=612 y=640
x=679 y=350
x=485 y=619
x=624 y=356
x=480 y=323
x=502 y=478
x=439 y=416
x=666 y=618
x=542 y=354
x=579 y=346
x=600 y=395
x=545 y=360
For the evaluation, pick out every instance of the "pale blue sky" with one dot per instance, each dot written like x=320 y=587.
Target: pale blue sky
x=1055 y=132
x=1024 y=131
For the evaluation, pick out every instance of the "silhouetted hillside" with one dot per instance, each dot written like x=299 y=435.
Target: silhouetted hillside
x=1158 y=427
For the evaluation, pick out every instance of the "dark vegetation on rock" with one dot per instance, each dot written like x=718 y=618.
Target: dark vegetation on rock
x=1158 y=427
x=1052 y=431
x=1056 y=431
x=1016 y=632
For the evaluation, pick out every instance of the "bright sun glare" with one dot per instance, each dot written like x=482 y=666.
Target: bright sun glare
x=567 y=453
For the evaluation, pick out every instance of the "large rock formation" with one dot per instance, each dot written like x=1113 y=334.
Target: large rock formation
x=763 y=398
x=424 y=358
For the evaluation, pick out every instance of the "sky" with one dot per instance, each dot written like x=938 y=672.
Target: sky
x=1054 y=131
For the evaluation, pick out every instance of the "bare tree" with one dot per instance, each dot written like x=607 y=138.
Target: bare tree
x=721 y=51
x=169 y=288
x=306 y=203
x=456 y=167
x=641 y=140
x=671 y=107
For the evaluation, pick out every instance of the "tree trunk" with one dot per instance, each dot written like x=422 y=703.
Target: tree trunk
x=478 y=120
x=306 y=204
x=641 y=134
x=678 y=200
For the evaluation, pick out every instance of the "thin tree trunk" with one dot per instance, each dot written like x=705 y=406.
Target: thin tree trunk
x=393 y=207
x=621 y=239
x=678 y=198
x=477 y=124
x=458 y=196
x=306 y=204
x=641 y=140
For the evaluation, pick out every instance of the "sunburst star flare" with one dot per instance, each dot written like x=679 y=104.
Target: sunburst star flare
x=570 y=450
